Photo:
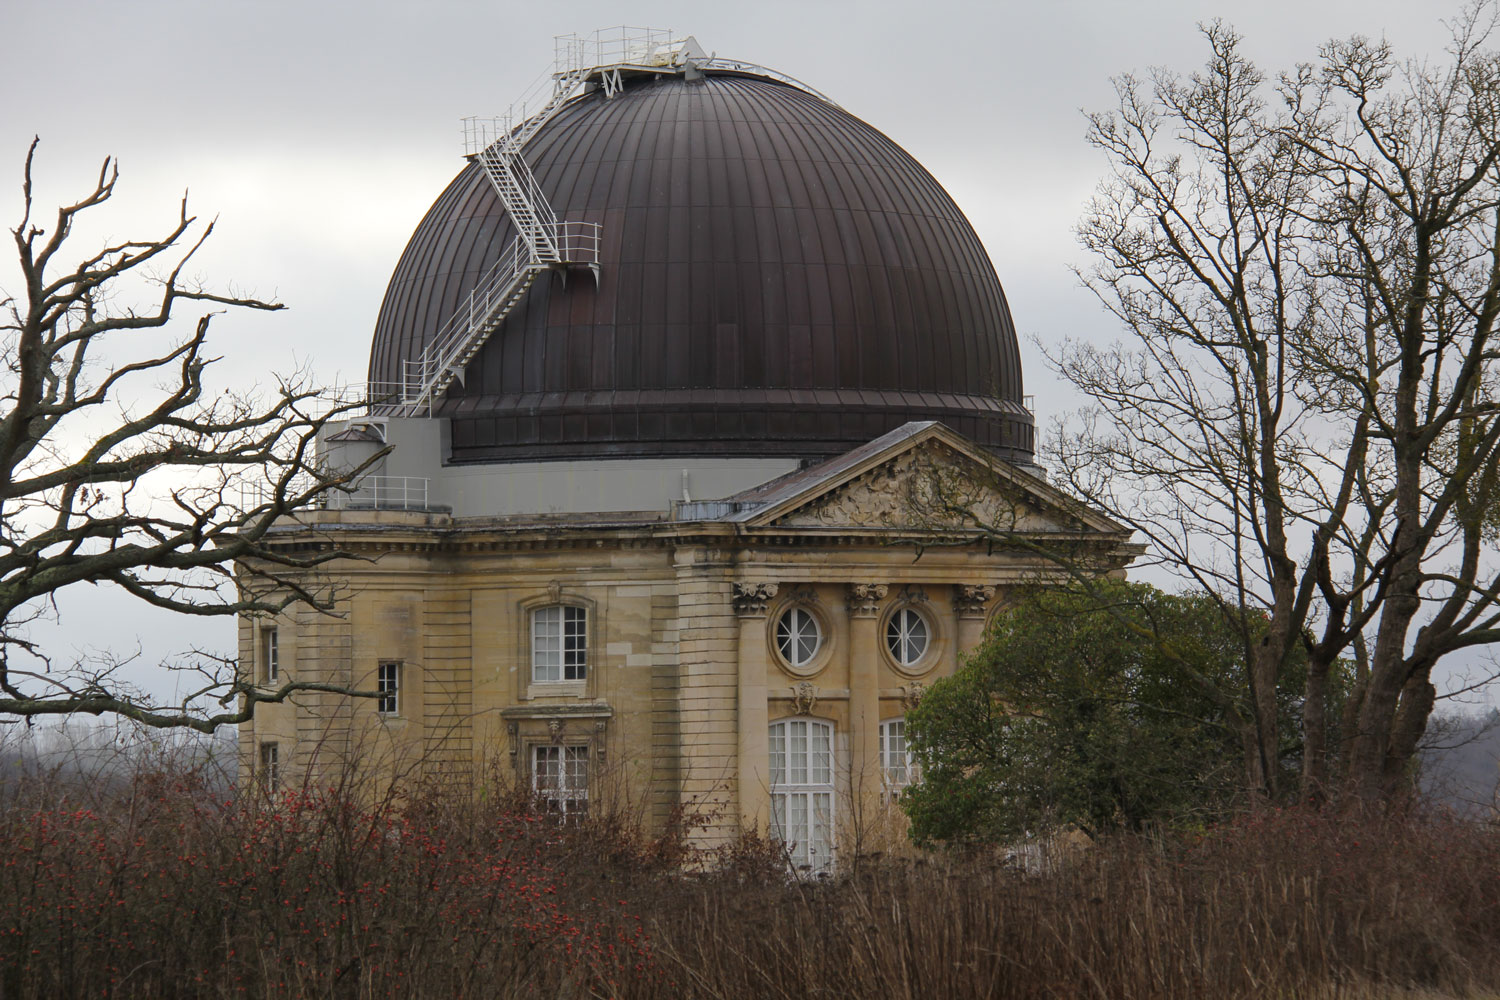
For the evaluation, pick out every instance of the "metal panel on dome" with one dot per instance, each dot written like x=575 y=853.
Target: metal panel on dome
x=757 y=240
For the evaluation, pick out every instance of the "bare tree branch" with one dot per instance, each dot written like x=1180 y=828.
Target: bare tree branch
x=124 y=467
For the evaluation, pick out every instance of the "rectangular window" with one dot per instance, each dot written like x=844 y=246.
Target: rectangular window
x=801 y=759
x=270 y=656
x=560 y=779
x=388 y=684
x=559 y=643
x=897 y=768
x=269 y=774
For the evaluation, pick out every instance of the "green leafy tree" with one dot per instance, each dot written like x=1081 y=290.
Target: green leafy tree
x=1103 y=707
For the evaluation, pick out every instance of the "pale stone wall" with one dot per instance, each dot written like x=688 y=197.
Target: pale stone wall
x=708 y=688
x=684 y=677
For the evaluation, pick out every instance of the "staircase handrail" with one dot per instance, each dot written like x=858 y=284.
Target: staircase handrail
x=505 y=156
x=577 y=243
x=448 y=343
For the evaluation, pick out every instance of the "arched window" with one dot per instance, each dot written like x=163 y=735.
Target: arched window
x=802 y=791
x=906 y=636
x=559 y=643
x=798 y=636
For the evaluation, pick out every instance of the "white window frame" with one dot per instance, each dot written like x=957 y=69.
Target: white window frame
x=559 y=634
x=268 y=770
x=388 y=684
x=802 y=792
x=793 y=628
x=899 y=636
x=270 y=654
x=898 y=768
x=560 y=778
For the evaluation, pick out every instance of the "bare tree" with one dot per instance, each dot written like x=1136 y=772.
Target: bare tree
x=120 y=465
x=1303 y=419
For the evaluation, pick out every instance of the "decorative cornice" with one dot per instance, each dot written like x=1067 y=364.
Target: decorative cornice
x=588 y=710
x=750 y=599
x=864 y=599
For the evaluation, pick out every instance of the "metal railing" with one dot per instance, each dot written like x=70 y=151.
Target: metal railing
x=486 y=306
x=381 y=493
x=621 y=45
x=365 y=493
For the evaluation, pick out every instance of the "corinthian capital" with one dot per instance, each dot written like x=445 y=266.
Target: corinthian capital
x=865 y=598
x=750 y=599
x=971 y=599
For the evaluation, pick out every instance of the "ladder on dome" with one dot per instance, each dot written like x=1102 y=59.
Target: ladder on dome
x=542 y=242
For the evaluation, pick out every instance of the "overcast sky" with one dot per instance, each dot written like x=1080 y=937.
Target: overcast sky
x=319 y=133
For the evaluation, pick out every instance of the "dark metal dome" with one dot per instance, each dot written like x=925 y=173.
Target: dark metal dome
x=778 y=278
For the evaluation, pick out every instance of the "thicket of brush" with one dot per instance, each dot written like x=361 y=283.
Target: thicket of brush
x=161 y=883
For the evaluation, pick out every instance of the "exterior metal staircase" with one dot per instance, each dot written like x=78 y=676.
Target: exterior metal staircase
x=541 y=243
x=581 y=63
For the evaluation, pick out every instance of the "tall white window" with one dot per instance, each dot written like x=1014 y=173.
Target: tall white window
x=270 y=655
x=798 y=636
x=560 y=779
x=388 y=686
x=269 y=774
x=897 y=769
x=906 y=636
x=802 y=791
x=559 y=643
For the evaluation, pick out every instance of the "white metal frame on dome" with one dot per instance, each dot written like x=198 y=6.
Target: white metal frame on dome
x=602 y=59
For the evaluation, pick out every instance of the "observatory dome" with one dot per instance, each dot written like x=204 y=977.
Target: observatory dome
x=776 y=278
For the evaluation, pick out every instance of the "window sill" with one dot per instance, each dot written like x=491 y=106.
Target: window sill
x=556 y=689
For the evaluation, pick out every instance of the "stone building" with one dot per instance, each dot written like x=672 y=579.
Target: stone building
x=681 y=493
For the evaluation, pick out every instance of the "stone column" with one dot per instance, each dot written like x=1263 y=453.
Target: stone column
x=864 y=692
x=970 y=602
x=750 y=601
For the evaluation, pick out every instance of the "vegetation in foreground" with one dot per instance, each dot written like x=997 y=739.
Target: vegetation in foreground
x=160 y=884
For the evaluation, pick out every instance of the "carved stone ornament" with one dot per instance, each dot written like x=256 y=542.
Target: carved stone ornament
x=601 y=729
x=971 y=599
x=513 y=731
x=911 y=695
x=554 y=591
x=865 y=598
x=555 y=729
x=750 y=599
x=804 y=697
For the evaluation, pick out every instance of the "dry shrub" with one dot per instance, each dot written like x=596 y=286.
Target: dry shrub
x=164 y=891
x=164 y=885
x=1284 y=903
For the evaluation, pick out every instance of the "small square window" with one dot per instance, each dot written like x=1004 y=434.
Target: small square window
x=270 y=655
x=269 y=774
x=559 y=643
x=388 y=684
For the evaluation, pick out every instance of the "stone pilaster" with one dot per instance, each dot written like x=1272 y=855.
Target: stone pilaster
x=864 y=600
x=708 y=690
x=750 y=600
x=971 y=602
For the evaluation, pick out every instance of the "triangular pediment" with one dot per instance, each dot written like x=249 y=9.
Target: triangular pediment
x=925 y=477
